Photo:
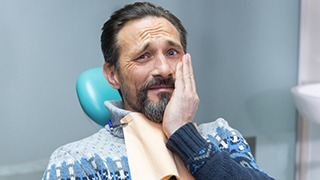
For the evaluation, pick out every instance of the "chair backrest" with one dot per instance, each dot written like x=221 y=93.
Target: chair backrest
x=92 y=90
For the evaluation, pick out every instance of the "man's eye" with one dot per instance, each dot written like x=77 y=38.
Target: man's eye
x=143 y=56
x=172 y=52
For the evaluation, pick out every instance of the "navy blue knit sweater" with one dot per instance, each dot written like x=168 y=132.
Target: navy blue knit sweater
x=212 y=151
x=225 y=156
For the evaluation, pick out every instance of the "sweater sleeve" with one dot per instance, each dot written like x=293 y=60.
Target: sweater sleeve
x=208 y=160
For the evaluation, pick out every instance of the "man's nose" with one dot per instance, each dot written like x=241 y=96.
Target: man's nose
x=163 y=67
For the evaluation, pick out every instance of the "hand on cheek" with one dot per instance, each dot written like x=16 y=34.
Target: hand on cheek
x=184 y=102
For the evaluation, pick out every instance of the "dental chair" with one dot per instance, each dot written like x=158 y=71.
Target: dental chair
x=92 y=90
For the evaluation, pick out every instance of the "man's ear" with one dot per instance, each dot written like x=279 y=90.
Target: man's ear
x=111 y=75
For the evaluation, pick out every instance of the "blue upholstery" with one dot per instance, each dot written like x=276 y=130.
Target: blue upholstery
x=92 y=90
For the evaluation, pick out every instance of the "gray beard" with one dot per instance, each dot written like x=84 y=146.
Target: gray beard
x=152 y=110
x=155 y=111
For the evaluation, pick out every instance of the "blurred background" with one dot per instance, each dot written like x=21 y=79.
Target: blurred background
x=245 y=55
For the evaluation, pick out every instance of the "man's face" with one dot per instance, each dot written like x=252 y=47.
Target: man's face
x=150 y=49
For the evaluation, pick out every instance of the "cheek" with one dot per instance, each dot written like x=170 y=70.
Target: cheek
x=173 y=65
x=135 y=79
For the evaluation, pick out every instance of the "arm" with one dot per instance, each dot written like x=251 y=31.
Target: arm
x=206 y=160
x=203 y=159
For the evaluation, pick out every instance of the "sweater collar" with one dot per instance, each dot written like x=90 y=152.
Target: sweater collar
x=117 y=113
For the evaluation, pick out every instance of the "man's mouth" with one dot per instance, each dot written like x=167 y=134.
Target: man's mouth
x=158 y=85
x=162 y=88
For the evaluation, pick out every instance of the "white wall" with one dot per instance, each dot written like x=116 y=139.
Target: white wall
x=248 y=65
x=309 y=65
x=244 y=54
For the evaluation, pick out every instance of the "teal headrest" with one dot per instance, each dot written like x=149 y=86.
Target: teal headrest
x=92 y=90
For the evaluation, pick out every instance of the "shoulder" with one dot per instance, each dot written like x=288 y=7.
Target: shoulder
x=225 y=137
x=214 y=127
x=102 y=143
x=89 y=158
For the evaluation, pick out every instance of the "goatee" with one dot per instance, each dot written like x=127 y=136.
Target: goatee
x=152 y=110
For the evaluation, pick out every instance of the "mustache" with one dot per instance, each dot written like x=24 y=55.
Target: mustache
x=157 y=81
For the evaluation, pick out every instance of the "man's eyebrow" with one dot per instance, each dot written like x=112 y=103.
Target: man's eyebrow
x=173 y=43
x=143 y=48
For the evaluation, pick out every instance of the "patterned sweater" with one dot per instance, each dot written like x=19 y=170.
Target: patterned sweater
x=212 y=151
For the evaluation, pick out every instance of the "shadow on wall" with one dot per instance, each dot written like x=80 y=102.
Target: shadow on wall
x=252 y=141
x=268 y=111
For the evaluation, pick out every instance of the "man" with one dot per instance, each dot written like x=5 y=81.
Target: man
x=151 y=134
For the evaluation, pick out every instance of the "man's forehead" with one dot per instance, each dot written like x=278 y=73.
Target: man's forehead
x=140 y=32
x=147 y=27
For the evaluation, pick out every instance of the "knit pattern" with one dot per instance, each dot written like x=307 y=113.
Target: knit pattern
x=100 y=156
x=103 y=156
x=221 y=138
x=223 y=154
x=93 y=168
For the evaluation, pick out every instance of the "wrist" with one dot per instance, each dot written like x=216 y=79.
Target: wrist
x=171 y=128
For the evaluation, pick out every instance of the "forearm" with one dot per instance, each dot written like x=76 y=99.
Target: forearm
x=204 y=160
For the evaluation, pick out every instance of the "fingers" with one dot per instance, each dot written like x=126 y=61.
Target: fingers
x=184 y=74
x=184 y=101
x=191 y=74
x=179 y=78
